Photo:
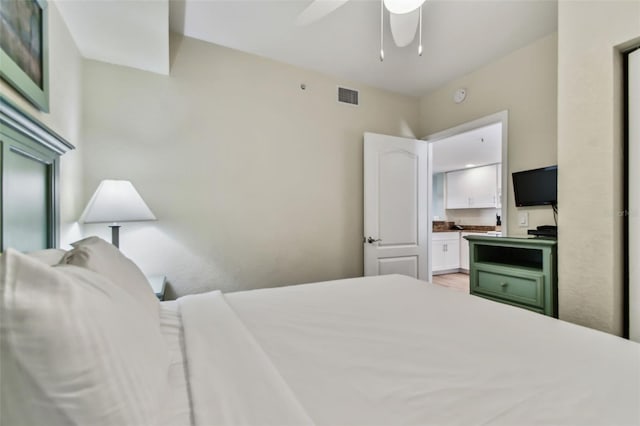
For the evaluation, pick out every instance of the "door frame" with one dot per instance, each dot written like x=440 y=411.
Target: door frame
x=498 y=117
x=631 y=225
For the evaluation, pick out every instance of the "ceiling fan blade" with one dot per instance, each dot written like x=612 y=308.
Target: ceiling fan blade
x=318 y=9
x=403 y=27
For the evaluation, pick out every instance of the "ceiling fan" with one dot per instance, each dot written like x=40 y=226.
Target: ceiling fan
x=405 y=17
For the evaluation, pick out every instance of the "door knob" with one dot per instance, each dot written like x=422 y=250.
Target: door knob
x=370 y=240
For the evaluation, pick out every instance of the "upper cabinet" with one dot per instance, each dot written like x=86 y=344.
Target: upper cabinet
x=473 y=188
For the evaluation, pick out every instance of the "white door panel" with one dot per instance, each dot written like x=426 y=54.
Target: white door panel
x=398 y=265
x=398 y=224
x=395 y=206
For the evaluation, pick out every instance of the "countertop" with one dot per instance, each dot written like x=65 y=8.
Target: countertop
x=441 y=226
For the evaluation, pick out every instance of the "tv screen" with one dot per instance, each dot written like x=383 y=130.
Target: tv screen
x=536 y=187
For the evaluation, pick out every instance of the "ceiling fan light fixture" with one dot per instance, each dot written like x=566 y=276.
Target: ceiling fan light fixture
x=400 y=7
x=404 y=27
x=420 y=35
x=381 y=30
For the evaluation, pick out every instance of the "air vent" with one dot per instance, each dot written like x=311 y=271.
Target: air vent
x=347 y=96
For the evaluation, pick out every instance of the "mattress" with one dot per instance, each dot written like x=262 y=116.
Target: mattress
x=393 y=350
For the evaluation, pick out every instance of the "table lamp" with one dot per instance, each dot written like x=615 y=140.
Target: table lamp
x=116 y=201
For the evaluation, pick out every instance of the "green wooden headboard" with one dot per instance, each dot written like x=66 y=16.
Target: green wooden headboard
x=29 y=180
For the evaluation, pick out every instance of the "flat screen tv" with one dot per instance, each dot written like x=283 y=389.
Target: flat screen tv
x=537 y=187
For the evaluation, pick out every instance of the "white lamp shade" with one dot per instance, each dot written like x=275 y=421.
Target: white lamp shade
x=116 y=201
x=400 y=7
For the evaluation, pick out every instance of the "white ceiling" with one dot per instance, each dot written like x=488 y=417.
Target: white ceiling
x=459 y=36
x=131 y=33
x=477 y=147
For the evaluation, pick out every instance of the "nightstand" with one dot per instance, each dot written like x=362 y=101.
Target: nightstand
x=517 y=271
x=158 y=283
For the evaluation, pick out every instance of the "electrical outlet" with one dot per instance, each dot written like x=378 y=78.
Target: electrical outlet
x=523 y=219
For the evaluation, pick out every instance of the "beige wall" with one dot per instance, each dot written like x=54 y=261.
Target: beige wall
x=255 y=182
x=524 y=83
x=65 y=76
x=590 y=158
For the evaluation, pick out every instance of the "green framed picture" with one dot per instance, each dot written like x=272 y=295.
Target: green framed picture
x=24 y=61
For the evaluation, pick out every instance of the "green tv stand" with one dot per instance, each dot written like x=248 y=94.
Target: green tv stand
x=518 y=271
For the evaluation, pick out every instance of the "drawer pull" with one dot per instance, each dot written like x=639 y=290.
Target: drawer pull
x=504 y=285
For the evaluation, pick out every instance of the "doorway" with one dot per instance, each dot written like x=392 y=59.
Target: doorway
x=469 y=170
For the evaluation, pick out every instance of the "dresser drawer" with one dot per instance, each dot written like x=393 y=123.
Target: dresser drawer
x=525 y=288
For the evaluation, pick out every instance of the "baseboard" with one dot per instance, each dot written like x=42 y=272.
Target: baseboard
x=451 y=271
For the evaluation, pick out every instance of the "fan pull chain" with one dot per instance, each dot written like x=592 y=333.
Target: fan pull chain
x=381 y=30
x=420 y=35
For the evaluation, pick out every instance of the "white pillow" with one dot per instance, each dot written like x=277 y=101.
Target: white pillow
x=75 y=349
x=104 y=258
x=49 y=256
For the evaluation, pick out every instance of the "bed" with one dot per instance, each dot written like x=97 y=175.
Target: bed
x=85 y=343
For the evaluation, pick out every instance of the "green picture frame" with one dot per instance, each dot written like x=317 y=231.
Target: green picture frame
x=24 y=49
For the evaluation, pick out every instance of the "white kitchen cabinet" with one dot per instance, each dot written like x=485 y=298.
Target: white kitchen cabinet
x=464 y=250
x=457 y=196
x=473 y=188
x=445 y=249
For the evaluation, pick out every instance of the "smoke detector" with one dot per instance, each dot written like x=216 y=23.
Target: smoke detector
x=459 y=95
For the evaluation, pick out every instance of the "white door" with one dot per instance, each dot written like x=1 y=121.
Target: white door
x=396 y=179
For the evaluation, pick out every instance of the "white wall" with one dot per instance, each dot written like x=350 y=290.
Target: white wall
x=590 y=159
x=634 y=194
x=65 y=76
x=484 y=217
x=524 y=83
x=255 y=182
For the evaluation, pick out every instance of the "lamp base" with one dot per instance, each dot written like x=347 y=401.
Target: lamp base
x=115 y=235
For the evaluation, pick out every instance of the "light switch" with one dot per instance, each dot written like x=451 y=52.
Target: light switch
x=523 y=219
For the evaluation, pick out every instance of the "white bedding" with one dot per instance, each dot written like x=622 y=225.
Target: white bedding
x=392 y=350
x=176 y=409
x=232 y=381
